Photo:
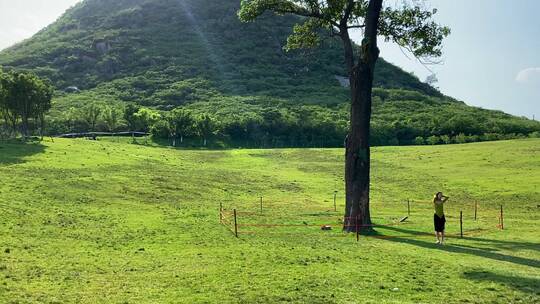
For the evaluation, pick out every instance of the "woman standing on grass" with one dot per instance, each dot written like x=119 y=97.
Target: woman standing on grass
x=438 y=217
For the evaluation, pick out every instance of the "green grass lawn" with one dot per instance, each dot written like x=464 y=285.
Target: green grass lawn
x=104 y=222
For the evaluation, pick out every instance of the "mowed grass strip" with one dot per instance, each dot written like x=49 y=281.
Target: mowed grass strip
x=105 y=222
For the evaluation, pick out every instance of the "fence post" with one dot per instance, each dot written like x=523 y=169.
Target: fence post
x=461 y=223
x=261 y=204
x=357 y=228
x=335 y=207
x=235 y=224
x=221 y=213
x=408 y=207
x=475 y=209
x=502 y=218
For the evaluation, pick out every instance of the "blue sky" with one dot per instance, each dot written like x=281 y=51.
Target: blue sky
x=492 y=41
x=491 y=59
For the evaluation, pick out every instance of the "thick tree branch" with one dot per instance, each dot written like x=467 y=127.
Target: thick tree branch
x=348 y=48
x=370 y=51
x=347 y=13
x=251 y=10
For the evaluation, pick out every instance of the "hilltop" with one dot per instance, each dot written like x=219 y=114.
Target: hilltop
x=154 y=47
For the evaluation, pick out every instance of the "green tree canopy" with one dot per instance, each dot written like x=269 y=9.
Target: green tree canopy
x=111 y=117
x=182 y=123
x=145 y=118
x=24 y=97
x=91 y=114
x=206 y=127
x=408 y=25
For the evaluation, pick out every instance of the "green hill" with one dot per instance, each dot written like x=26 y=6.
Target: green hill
x=153 y=48
x=197 y=54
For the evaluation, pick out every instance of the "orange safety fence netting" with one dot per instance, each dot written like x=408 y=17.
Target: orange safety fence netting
x=234 y=220
x=378 y=236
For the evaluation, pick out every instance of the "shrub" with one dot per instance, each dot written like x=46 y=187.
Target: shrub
x=433 y=140
x=460 y=138
x=535 y=134
x=491 y=136
x=419 y=140
x=446 y=139
x=160 y=129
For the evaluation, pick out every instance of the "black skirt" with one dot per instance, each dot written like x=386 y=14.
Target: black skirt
x=439 y=222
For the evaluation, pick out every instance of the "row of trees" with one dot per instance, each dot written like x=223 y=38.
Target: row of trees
x=179 y=124
x=175 y=125
x=279 y=126
x=24 y=101
x=273 y=127
x=462 y=138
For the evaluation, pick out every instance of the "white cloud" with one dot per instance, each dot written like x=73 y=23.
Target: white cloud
x=529 y=75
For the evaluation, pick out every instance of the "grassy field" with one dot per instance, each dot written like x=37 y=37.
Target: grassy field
x=104 y=222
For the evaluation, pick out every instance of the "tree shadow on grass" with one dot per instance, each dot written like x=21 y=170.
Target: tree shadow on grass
x=511 y=245
x=528 y=285
x=15 y=151
x=467 y=249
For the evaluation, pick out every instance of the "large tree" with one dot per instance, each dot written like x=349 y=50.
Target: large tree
x=91 y=113
x=409 y=25
x=129 y=116
x=181 y=124
x=111 y=117
x=9 y=104
x=25 y=97
x=206 y=127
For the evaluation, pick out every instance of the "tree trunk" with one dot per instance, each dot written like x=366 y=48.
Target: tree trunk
x=357 y=155
x=41 y=120
x=14 y=126
x=24 y=123
x=357 y=150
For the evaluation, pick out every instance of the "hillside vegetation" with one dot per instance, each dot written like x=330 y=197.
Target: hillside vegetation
x=135 y=224
x=197 y=55
x=155 y=52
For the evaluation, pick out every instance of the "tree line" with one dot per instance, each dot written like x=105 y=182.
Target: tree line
x=176 y=125
x=291 y=126
x=400 y=117
x=24 y=101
